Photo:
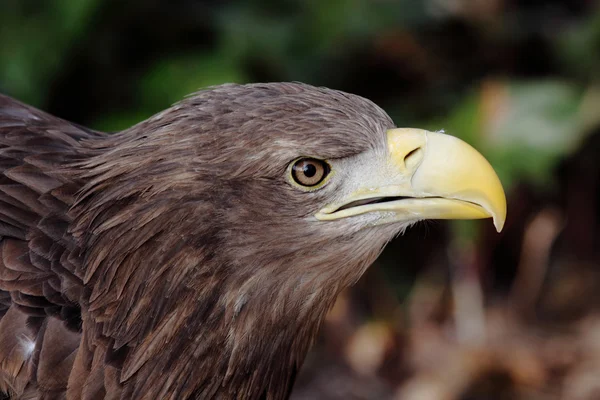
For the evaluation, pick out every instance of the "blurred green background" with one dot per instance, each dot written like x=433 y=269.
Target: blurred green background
x=450 y=311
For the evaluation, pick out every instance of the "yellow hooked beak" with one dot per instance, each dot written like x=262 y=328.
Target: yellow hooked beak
x=426 y=175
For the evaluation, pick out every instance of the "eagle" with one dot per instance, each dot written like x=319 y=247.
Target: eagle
x=195 y=254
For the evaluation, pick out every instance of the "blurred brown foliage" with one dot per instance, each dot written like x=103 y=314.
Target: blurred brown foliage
x=449 y=311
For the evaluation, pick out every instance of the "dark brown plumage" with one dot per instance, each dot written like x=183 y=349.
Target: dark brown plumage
x=164 y=238
x=175 y=259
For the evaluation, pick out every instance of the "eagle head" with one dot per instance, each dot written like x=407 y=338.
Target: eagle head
x=226 y=225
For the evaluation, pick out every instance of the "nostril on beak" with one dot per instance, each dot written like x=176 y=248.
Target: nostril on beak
x=412 y=158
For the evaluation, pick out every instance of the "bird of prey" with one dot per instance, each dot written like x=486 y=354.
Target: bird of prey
x=194 y=255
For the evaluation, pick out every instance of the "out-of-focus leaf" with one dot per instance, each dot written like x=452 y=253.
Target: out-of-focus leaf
x=579 y=46
x=537 y=125
x=34 y=40
x=300 y=38
x=172 y=79
x=523 y=128
x=169 y=81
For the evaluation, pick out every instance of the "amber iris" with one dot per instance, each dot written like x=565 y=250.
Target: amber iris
x=309 y=171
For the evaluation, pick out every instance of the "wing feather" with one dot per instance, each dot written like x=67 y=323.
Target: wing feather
x=40 y=320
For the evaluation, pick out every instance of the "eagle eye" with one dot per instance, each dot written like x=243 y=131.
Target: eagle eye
x=309 y=172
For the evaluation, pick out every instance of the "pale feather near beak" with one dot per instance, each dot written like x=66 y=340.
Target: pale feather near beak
x=427 y=175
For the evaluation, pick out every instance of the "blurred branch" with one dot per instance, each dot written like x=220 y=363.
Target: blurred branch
x=469 y=314
x=540 y=233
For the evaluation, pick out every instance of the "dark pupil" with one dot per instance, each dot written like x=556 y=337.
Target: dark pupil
x=309 y=170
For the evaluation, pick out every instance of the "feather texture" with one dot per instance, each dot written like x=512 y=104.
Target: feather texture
x=40 y=328
x=164 y=261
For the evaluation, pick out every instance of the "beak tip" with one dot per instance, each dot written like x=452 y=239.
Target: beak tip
x=499 y=225
x=500 y=216
x=499 y=220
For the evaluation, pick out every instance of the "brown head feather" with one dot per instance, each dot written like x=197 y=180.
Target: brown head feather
x=199 y=270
